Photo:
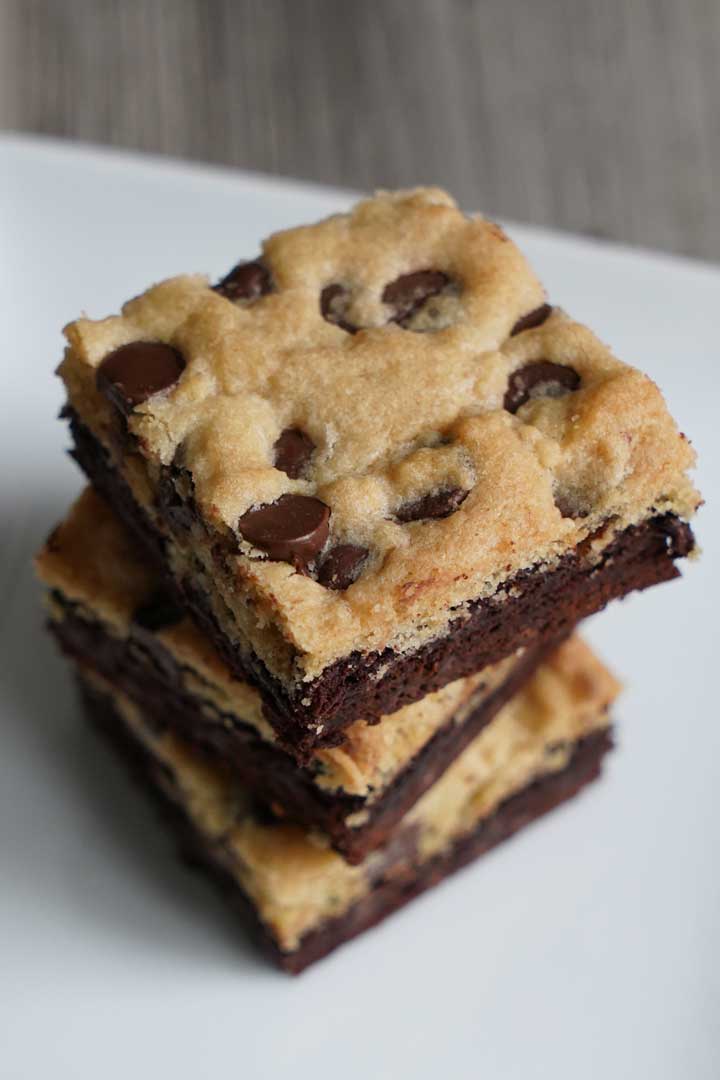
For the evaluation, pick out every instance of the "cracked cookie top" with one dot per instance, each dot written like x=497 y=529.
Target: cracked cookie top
x=382 y=415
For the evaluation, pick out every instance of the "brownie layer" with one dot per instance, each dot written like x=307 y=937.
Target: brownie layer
x=535 y=606
x=400 y=876
x=147 y=672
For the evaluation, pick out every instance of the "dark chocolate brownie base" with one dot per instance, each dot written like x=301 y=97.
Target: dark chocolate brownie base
x=401 y=878
x=535 y=605
x=148 y=674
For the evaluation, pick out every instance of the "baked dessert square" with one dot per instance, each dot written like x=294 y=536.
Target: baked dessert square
x=303 y=898
x=108 y=611
x=376 y=459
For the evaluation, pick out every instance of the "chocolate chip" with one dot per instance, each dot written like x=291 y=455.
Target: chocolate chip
x=158 y=611
x=409 y=292
x=571 y=505
x=438 y=504
x=293 y=451
x=341 y=566
x=539 y=379
x=131 y=374
x=533 y=318
x=246 y=281
x=292 y=529
x=334 y=300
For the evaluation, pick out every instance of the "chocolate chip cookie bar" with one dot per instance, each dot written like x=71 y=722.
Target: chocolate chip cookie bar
x=108 y=612
x=376 y=459
x=304 y=898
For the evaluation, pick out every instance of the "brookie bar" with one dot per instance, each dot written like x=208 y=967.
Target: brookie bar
x=109 y=614
x=306 y=900
x=376 y=460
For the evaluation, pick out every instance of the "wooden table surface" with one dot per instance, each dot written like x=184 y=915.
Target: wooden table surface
x=601 y=116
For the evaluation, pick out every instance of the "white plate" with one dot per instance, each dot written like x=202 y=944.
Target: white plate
x=587 y=947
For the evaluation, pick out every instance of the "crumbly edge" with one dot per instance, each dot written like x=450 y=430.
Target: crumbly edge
x=296 y=885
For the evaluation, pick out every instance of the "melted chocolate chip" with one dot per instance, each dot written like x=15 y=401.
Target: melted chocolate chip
x=571 y=505
x=409 y=292
x=131 y=374
x=292 y=529
x=333 y=302
x=533 y=318
x=157 y=612
x=246 y=281
x=341 y=566
x=293 y=451
x=438 y=504
x=539 y=379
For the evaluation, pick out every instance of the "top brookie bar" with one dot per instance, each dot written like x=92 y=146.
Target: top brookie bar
x=376 y=460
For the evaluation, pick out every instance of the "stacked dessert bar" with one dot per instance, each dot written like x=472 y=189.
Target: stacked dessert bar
x=348 y=507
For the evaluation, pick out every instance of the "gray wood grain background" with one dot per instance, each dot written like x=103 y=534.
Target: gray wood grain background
x=601 y=116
